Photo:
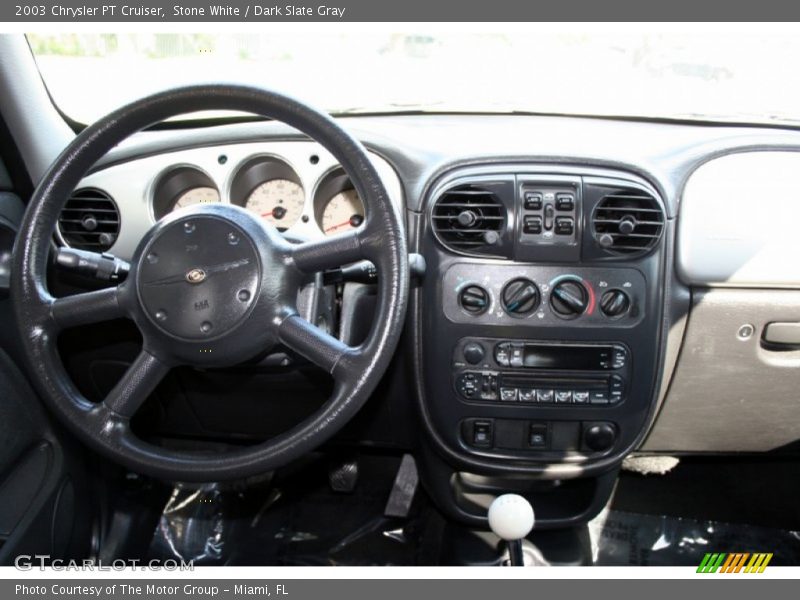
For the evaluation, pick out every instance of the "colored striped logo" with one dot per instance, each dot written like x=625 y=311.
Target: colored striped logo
x=736 y=562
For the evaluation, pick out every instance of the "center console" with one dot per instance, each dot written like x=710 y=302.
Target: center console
x=537 y=329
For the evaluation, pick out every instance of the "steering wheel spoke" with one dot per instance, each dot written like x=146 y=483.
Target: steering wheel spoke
x=138 y=382
x=86 y=308
x=313 y=343
x=331 y=252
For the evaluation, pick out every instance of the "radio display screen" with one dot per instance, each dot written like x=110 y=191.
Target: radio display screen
x=577 y=358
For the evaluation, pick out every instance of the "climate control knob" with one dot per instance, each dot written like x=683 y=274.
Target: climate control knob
x=520 y=297
x=615 y=303
x=474 y=299
x=569 y=299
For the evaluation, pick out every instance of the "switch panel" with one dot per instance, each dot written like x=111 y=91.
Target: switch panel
x=538 y=437
x=549 y=213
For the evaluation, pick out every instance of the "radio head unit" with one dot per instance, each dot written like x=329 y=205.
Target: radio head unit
x=490 y=370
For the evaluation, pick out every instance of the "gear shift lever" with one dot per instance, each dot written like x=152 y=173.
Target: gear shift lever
x=511 y=519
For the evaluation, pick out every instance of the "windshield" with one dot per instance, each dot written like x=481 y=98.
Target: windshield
x=712 y=76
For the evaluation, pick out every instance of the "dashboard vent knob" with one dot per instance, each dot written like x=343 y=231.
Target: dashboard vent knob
x=471 y=219
x=89 y=220
x=627 y=222
x=467 y=218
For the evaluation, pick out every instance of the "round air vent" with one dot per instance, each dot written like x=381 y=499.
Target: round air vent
x=470 y=218
x=627 y=222
x=89 y=220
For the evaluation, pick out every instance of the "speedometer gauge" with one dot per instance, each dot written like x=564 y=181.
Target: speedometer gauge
x=197 y=195
x=342 y=212
x=279 y=201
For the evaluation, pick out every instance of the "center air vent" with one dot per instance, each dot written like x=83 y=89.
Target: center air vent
x=89 y=220
x=470 y=218
x=627 y=221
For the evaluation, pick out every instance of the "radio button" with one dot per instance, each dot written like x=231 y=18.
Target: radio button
x=502 y=354
x=619 y=358
x=580 y=396
x=467 y=385
x=563 y=397
x=544 y=396
x=517 y=356
x=473 y=353
x=598 y=397
x=527 y=395
x=508 y=394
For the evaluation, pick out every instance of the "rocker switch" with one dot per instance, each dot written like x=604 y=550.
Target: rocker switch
x=549 y=213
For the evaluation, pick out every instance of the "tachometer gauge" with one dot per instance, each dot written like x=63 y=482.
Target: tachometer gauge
x=197 y=195
x=343 y=211
x=279 y=201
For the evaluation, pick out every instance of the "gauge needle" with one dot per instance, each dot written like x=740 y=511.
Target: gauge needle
x=268 y=214
x=342 y=224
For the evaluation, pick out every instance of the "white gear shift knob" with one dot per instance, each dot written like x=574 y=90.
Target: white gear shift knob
x=511 y=517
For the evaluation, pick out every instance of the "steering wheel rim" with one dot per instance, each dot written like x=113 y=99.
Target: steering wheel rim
x=356 y=370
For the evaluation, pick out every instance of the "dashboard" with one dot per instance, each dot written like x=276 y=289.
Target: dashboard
x=593 y=287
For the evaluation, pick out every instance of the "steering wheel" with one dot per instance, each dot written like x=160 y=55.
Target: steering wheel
x=209 y=286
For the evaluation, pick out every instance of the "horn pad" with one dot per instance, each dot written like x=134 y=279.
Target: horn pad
x=198 y=277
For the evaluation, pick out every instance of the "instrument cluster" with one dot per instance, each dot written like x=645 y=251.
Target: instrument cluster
x=269 y=187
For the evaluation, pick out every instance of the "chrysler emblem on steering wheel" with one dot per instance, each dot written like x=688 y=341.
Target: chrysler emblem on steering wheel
x=196 y=276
